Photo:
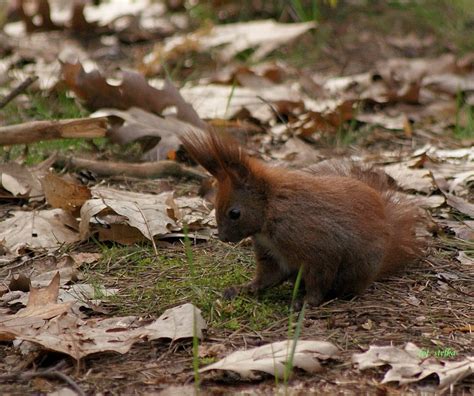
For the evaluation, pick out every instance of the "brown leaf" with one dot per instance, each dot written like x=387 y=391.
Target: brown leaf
x=43 y=22
x=65 y=195
x=19 y=180
x=40 y=298
x=273 y=358
x=134 y=91
x=70 y=335
x=460 y=204
x=42 y=306
x=160 y=134
x=410 y=364
x=38 y=229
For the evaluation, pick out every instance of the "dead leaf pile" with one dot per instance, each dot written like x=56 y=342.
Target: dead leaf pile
x=263 y=36
x=53 y=326
x=410 y=365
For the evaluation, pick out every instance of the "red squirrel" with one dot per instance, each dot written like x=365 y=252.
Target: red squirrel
x=344 y=226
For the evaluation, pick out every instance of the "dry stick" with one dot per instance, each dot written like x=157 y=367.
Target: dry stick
x=277 y=114
x=17 y=91
x=143 y=170
x=35 y=131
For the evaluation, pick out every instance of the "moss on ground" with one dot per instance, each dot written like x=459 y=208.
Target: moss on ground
x=149 y=284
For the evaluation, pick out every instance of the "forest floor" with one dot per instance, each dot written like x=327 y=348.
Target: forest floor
x=389 y=84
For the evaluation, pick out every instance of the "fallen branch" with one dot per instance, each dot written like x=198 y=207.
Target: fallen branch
x=29 y=132
x=146 y=170
x=17 y=91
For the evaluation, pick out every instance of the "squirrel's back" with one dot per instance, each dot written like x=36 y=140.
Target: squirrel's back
x=403 y=217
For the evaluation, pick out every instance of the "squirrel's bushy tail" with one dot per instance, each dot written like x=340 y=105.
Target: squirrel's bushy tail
x=404 y=246
x=403 y=215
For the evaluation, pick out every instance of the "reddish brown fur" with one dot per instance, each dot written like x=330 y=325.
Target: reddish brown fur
x=345 y=226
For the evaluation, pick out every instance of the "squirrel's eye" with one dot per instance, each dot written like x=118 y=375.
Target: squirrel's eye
x=234 y=214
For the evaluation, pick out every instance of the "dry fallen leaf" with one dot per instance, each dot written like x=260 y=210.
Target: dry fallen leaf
x=159 y=135
x=134 y=91
x=232 y=38
x=78 y=338
x=128 y=217
x=42 y=305
x=63 y=194
x=38 y=229
x=217 y=101
x=272 y=358
x=78 y=295
x=460 y=204
x=152 y=215
x=409 y=178
x=19 y=180
x=410 y=365
x=380 y=356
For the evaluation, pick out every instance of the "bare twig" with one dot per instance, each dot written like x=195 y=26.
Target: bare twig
x=142 y=170
x=17 y=91
x=277 y=114
x=35 y=131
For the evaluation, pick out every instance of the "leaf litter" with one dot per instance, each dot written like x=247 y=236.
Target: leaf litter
x=54 y=326
x=407 y=103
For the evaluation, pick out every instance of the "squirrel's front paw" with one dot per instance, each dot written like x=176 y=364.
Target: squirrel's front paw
x=233 y=291
x=298 y=304
x=230 y=293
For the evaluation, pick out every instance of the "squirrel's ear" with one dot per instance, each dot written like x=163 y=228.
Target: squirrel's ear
x=239 y=173
x=201 y=151
x=220 y=154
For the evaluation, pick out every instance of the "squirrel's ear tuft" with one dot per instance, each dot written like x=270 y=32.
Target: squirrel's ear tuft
x=200 y=148
x=219 y=154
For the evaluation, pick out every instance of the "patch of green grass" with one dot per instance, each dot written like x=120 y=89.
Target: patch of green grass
x=464 y=126
x=36 y=152
x=450 y=20
x=40 y=107
x=204 y=361
x=149 y=284
x=43 y=107
x=465 y=129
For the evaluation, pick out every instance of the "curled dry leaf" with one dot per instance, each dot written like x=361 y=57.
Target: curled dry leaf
x=460 y=205
x=159 y=135
x=409 y=178
x=42 y=305
x=134 y=91
x=63 y=194
x=68 y=334
x=272 y=358
x=264 y=35
x=19 y=180
x=409 y=365
x=38 y=229
x=152 y=215
x=128 y=217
